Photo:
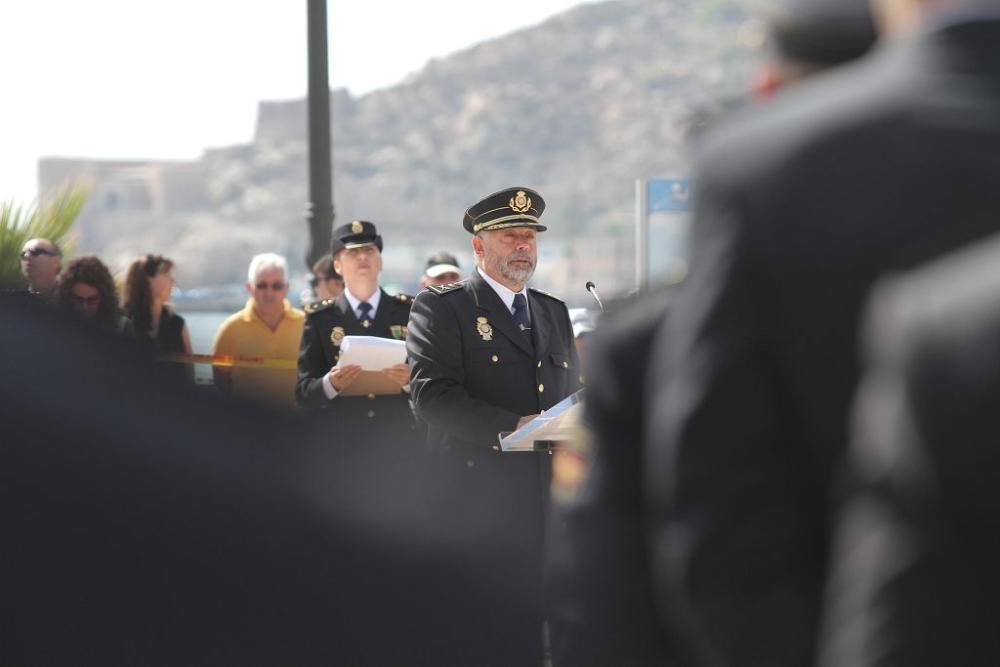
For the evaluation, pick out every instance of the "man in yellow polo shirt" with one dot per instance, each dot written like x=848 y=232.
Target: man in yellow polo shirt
x=263 y=338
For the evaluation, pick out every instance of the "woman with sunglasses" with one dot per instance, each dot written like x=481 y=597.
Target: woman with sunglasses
x=159 y=330
x=87 y=289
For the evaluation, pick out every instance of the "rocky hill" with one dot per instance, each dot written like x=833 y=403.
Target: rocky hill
x=577 y=107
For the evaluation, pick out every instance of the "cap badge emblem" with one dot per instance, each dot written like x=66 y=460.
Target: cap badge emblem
x=357 y=227
x=484 y=328
x=520 y=203
x=337 y=336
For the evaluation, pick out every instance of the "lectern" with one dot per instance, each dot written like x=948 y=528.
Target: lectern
x=553 y=428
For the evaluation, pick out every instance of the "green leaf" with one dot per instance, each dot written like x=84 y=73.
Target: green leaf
x=52 y=219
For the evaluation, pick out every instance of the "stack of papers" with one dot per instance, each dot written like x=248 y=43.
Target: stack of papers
x=371 y=353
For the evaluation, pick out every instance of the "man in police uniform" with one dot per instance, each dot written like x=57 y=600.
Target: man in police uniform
x=363 y=309
x=487 y=355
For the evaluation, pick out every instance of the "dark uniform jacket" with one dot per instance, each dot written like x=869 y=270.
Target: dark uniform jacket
x=474 y=374
x=914 y=575
x=874 y=167
x=364 y=416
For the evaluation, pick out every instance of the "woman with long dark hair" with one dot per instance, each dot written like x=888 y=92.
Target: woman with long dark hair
x=87 y=288
x=159 y=330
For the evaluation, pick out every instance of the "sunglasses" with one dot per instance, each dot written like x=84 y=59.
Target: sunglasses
x=85 y=300
x=35 y=252
x=276 y=286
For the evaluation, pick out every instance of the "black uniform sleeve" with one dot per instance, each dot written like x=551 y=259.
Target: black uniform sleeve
x=434 y=346
x=312 y=367
x=915 y=546
x=576 y=379
x=743 y=580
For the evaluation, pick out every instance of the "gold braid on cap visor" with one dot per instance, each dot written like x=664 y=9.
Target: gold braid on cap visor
x=508 y=218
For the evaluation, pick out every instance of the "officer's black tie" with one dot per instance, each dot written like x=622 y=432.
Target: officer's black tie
x=521 y=314
x=366 y=309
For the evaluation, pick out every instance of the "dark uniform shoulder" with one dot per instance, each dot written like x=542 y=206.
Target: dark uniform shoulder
x=447 y=288
x=404 y=298
x=319 y=305
x=545 y=294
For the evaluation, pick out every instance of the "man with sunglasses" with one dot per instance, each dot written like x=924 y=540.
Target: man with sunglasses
x=363 y=309
x=262 y=339
x=41 y=260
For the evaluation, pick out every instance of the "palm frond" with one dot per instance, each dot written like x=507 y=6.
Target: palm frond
x=52 y=219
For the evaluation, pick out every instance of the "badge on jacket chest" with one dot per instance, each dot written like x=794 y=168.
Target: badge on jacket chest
x=398 y=331
x=484 y=328
x=337 y=336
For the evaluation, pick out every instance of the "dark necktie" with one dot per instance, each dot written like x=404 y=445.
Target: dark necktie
x=366 y=309
x=521 y=314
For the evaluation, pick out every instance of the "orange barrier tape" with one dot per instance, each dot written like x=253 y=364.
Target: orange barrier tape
x=229 y=362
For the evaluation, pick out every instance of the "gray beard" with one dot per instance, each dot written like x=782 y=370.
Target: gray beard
x=516 y=275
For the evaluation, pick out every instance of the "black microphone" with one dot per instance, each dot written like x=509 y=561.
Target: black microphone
x=593 y=292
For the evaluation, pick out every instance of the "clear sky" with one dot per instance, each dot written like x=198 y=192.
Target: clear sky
x=144 y=79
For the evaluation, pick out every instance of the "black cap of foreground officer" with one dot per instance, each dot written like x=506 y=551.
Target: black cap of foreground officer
x=822 y=32
x=800 y=38
x=805 y=36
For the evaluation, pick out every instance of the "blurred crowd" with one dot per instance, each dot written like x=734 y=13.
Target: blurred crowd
x=140 y=314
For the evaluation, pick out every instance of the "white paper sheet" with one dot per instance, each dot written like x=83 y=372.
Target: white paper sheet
x=560 y=422
x=371 y=353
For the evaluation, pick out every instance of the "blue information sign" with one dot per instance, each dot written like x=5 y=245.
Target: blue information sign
x=668 y=194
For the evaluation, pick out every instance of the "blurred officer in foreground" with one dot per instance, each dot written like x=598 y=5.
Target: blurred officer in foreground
x=363 y=309
x=148 y=526
x=914 y=576
x=602 y=606
x=877 y=166
x=442 y=268
x=488 y=355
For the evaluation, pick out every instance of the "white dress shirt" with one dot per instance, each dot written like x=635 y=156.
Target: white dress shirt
x=505 y=294
x=374 y=300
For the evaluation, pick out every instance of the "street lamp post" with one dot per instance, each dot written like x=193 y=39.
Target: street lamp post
x=319 y=210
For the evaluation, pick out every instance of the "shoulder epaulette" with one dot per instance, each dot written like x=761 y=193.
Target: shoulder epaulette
x=319 y=305
x=405 y=298
x=541 y=293
x=441 y=290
